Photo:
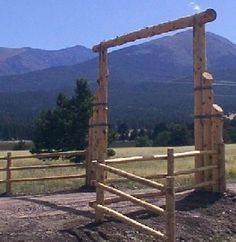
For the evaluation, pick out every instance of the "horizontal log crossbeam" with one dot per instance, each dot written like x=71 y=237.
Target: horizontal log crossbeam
x=46 y=155
x=159 y=157
x=204 y=17
x=108 y=201
x=190 y=171
x=153 y=208
x=133 y=177
x=154 y=176
x=125 y=219
x=47 y=178
x=37 y=167
x=199 y=185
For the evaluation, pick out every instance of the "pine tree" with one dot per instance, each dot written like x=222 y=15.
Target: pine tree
x=66 y=126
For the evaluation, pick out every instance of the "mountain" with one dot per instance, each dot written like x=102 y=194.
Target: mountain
x=148 y=83
x=22 y=60
x=160 y=60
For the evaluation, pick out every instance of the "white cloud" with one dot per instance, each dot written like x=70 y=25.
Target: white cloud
x=195 y=6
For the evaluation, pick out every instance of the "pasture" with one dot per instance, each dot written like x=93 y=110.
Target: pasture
x=139 y=168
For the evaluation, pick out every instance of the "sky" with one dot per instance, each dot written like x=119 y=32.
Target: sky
x=56 y=24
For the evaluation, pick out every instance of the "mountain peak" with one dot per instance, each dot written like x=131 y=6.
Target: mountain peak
x=26 y=59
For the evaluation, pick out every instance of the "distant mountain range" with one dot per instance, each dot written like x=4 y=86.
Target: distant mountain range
x=21 y=60
x=148 y=83
x=161 y=60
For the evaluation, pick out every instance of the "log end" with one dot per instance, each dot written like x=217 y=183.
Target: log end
x=217 y=108
x=207 y=76
x=207 y=16
x=211 y=14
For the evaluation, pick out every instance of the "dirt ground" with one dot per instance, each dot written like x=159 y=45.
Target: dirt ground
x=201 y=216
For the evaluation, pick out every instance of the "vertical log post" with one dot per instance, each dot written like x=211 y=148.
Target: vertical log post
x=218 y=145
x=170 y=198
x=101 y=125
x=8 y=174
x=98 y=131
x=102 y=107
x=207 y=102
x=92 y=151
x=199 y=59
x=100 y=177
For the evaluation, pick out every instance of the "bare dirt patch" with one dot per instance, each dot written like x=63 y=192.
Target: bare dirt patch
x=201 y=216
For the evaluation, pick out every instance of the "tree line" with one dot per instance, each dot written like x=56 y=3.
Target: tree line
x=65 y=127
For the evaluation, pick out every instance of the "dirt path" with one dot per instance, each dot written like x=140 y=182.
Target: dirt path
x=59 y=217
x=41 y=218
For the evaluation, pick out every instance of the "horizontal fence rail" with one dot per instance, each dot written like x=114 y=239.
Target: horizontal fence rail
x=125 y=219
x=46 y=155
x=168 y=190
x=159 y=157
x=10 y=168
x=132 y=177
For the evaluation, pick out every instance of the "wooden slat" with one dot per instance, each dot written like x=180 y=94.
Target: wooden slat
x=36 y=167
x=3 y=169
x=194 y=153
x=3 y=181
x=204 y=17
x=158 y=157
x=203 y=184
x=135 y=159
x=108 y=201
x=194 y=170
x=125 y=219
x=49 y=155
x=132 y=177
x=155 y=176
x=153 y=208
x=47 y=178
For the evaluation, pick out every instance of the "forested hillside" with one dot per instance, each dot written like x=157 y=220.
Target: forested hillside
x=149 y=83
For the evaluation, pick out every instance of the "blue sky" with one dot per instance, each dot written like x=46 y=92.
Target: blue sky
x=55 y=24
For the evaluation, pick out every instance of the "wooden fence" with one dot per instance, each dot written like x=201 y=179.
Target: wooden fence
x=9 y=167
x=168 y=189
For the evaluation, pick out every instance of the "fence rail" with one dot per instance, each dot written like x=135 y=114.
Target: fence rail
x=159 y=157
x=167 y=190
x=9 y=168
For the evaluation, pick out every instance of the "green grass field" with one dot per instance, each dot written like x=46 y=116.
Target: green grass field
x=139 y=168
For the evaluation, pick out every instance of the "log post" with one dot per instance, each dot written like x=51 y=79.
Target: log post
x=218 y=144
x=8 y=174
x=102 y=109
x=98 y=131
x=100 y=177
x=170 y=198
x=101 y=128
x=207 y=102
x=199 y=59
x=92 y=151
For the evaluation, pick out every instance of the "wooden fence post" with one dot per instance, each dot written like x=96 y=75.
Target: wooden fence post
x=8 y=174
x=207 y=102
x=170 y=198
x=199 y=59
x=218 y=145
x=91 y=153
x=100 y=176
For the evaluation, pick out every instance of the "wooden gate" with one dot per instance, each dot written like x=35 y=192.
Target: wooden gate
x=167 y=190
